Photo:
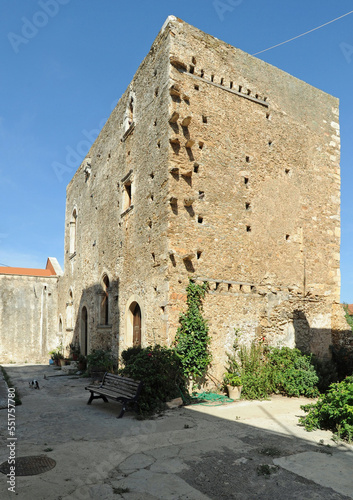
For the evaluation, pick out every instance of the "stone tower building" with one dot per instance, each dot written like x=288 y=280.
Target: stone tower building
x=213 y=165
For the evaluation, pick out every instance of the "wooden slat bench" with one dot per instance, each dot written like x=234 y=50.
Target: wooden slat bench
x=122 y=389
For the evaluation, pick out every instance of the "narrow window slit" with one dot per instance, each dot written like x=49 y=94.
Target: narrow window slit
x=198 y=254
x=248 y=229
x=247 y=159
x=212 y=78
x=230 y=85
x=196 y=168
x=246 y=180
x=204 y=119
x=192 y=69
x=200 y=145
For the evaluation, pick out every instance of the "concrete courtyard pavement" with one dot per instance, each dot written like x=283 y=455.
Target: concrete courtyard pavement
x=243 y=450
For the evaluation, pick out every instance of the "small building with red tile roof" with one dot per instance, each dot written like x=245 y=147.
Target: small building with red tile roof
x=28 y=312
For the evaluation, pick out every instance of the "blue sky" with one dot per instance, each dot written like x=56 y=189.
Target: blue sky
x=65 y=63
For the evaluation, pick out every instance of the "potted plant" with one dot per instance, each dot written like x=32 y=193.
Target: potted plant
x=234 y=385
x=56 y=356
x=74 y=351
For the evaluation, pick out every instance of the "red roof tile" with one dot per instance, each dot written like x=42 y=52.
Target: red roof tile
x=25 y=271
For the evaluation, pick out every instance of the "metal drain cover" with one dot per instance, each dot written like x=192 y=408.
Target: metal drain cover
x=29 y=466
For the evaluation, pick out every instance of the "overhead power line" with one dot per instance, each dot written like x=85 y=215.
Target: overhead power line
x=306 y=33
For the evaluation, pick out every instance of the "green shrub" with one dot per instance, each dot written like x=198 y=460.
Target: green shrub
x=161 y=371
x=264 y=370
x=343 y=360
x=333 y=411
x=192 y=339
x=100 y=358
x=255 y=371
x=293 y=373
x=326 y=371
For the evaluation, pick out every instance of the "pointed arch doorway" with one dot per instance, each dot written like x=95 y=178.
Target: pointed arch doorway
x=134 y=322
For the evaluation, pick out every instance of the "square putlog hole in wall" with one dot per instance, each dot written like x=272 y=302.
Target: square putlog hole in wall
x=188 y=265
x=204 y=119
x=200 y=219
x=248 y=229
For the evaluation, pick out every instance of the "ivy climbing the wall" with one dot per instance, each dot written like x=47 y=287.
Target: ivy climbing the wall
x=192 y=339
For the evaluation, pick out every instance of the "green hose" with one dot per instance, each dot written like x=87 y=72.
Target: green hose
x=205 y=399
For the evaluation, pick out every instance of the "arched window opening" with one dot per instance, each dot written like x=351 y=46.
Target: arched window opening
x=129 y=116
x=84 y=331
x=136 y=323
x=73 y=224
x=131 y=111
x=104 y=316
x=70 y=311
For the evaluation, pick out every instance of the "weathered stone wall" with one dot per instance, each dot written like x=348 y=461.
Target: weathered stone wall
x=28 y=318
x=342 y=335
x=256 y=196
x=127 y=243
x=217 y=165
